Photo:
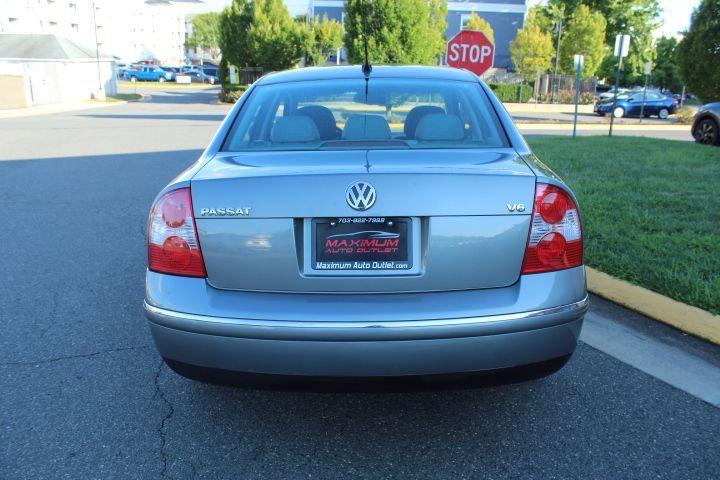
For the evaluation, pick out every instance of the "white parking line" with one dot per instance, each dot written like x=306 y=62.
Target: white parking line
x=672 y=365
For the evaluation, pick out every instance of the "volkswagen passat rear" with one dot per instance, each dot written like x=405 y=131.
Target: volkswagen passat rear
x=350 y=226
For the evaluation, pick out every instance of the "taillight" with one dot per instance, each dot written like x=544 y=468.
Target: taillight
x=173 y=245
x=555 y=240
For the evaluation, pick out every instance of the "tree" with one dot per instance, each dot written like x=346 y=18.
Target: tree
x=699 y=52
x=324 y=37
x=261 y=33
x=478 y=23
x=532 y=50
x=637 y=18
x=666 y=72
x=584 y=35
x=205 y=33
x=398 y=31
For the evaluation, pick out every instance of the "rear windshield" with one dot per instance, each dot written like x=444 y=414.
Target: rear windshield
x=356 y=114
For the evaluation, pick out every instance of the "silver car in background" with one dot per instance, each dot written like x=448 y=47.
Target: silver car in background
x=346 y=226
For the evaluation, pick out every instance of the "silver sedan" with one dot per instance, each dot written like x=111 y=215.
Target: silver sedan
x=347 y=226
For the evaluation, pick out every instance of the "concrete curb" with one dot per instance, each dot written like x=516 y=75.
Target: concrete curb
x=684 y=317
x=57 y=108
x=601 y=126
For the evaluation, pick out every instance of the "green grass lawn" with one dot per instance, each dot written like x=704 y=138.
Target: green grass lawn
x=651 y=210
x=125 y=96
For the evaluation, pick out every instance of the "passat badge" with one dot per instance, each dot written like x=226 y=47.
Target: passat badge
x=360 y=195
x=225 y=212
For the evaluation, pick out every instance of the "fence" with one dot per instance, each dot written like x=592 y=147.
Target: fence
x=547 y=88
x=248 y=75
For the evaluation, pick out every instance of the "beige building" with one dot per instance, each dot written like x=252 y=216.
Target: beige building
x=43 y=69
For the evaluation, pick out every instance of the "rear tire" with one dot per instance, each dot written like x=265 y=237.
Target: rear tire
x=707 y=132
x=664 y=113
x=619 y=112
x=133 y=79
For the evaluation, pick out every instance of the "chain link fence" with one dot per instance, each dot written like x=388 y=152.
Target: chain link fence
x=548 y=88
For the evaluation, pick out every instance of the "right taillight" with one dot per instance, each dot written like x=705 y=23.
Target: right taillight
x=555 y=240
x=173 y=245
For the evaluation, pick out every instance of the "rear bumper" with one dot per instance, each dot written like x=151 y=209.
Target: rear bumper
x=330 y=339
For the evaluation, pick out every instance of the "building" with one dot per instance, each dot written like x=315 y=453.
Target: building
x=40 y=69
x=505 y=16
x=130 y=30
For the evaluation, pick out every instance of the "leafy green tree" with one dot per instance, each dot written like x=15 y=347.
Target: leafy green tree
x=532 y=50
x=584 y=35
x=205 y=33
x=398 y=31
x=234 y=23
x=324 y=37
x=261 y=33
x=637 y=18
x=666 y=72
x=478 y=23
x=699 y=52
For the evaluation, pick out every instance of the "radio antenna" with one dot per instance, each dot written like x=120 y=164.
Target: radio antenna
x=366 y=68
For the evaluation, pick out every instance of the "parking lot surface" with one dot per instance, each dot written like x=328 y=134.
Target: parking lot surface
x=85 y=395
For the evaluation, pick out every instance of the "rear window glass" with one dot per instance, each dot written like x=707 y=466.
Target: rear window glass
x=378 y=114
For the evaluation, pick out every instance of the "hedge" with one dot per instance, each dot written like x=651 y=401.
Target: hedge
x=512 y=92
x=230 y=93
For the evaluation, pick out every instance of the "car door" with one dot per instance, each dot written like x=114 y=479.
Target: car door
x=653 y=105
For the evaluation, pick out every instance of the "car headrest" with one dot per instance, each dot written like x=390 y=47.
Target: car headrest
x=297 y=129
x=415 y=115
x=324 y=121
x=366 y=127
x=440 y=127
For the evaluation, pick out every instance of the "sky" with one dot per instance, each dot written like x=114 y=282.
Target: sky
x=675 y=16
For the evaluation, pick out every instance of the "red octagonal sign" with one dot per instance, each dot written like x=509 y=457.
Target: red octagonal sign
x=471 y=50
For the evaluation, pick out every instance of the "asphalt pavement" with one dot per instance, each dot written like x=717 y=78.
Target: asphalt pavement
x=85 y=395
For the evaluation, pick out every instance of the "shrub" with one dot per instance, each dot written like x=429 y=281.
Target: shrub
x=232 y=92
x=512 y=92
x=686 y=114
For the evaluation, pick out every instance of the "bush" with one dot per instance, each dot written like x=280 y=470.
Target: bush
x=686 y=114
x=232 y=92
x=512 y=92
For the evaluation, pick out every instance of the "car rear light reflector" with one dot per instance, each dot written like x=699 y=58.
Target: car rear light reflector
x=173 y=245
x=555 y=240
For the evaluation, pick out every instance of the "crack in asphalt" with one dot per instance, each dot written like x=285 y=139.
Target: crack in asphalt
x=71 y=357
x=166 y=418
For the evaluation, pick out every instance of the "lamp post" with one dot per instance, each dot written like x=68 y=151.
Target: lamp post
x=622 y=47
x=557 y=58
x=101 y=91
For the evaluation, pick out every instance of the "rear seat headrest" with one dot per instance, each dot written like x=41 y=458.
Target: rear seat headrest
x=366 y=127
x=297 y=129
x=440 y=127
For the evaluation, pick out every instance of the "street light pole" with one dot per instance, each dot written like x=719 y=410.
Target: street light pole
x=101 y=93
x=557 y=59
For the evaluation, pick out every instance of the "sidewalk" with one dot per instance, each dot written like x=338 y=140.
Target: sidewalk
x=57 y=108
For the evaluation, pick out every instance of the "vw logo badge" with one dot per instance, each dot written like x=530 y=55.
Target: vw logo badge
x=360 y=196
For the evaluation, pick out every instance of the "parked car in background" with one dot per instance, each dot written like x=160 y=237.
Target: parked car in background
x=632 y=104
x=316 y=238
x=611 y=93
x=149 y=73
x=173 y=70
x=706 y=126
x=202 y=74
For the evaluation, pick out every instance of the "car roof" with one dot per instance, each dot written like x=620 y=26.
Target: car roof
x=355 y=72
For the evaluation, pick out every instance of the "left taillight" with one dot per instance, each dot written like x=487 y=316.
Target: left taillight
x=173 y=245
x=555 y=240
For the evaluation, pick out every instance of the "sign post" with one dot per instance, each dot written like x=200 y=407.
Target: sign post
x=471 y=50
x=648 y=70
x=622 y=47
x=578 y=61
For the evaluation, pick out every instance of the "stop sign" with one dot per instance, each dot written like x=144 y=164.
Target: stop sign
x=471 y=50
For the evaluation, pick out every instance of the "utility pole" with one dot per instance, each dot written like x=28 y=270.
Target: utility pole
x=648 y=69
x=101 y=91
x=557 y=57
x=622 y=47
x=579 y=60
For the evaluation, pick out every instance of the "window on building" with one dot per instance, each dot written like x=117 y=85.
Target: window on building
x=464 y=19
x=75 y=27
x=12 y=20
